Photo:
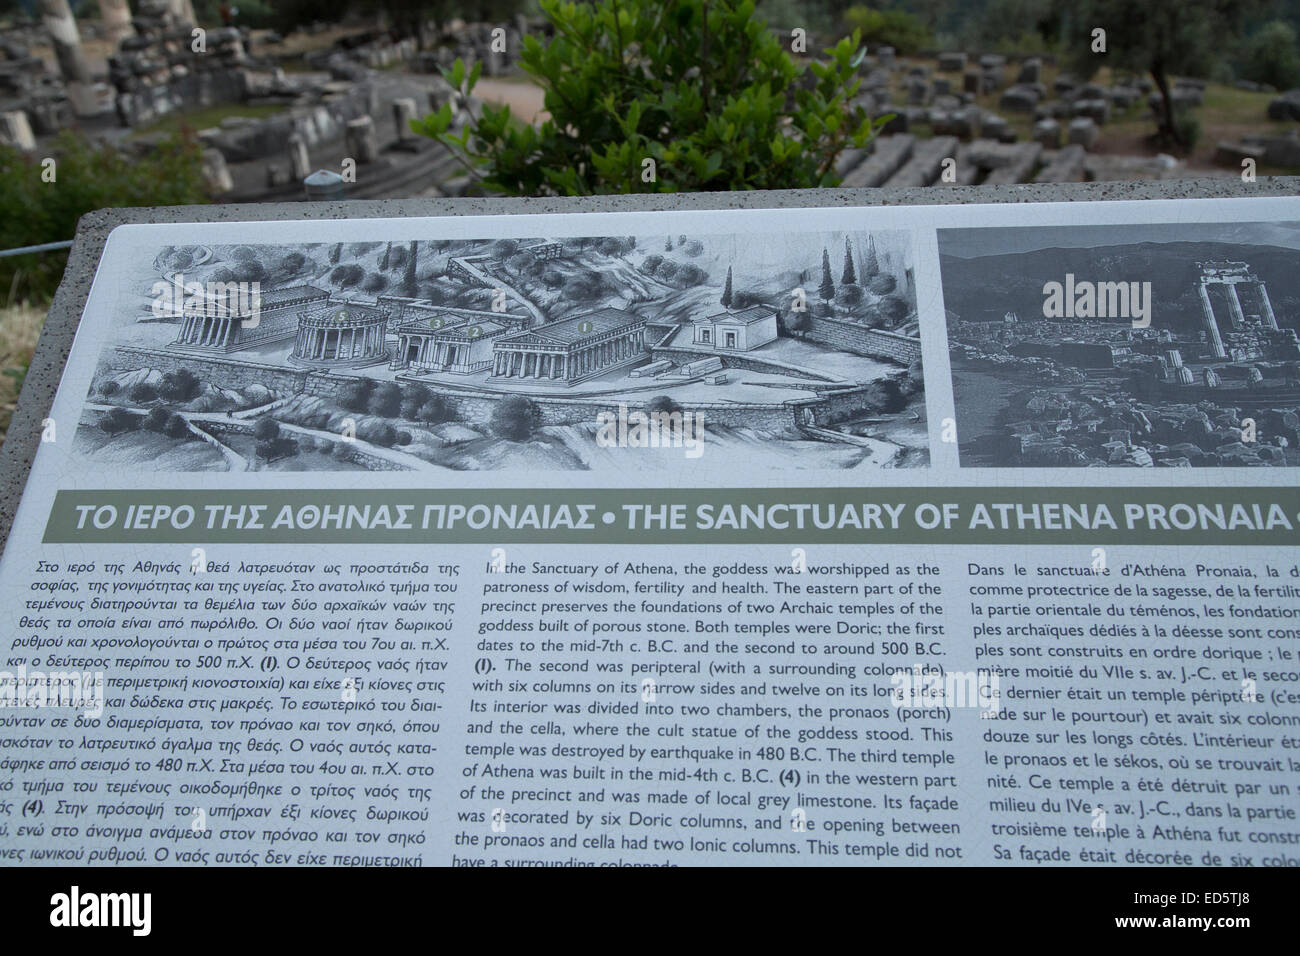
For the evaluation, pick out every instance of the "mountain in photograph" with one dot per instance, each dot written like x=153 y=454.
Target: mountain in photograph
x=1143 y=354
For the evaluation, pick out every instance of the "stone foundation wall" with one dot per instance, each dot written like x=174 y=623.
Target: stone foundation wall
x=680 y=356
x=879 y=343
x=469 y=408
x=477 y=410
x=230 y=374
x=844 y=405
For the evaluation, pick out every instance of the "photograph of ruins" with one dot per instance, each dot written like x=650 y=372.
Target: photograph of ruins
x=795 y=351
x=1166 y=345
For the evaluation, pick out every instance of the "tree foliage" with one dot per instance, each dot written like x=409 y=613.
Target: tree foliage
x=516 y=418
x=827 y=287
x=1270 y=56
x=897 y=28
x=1163 y=39
x=386 y=401
x=86 y=177
x=355 y=396
x=670 y=96
x=142 y=393
x=795 y=323
x=410 y=285
x=118 y=420
x=179 y=386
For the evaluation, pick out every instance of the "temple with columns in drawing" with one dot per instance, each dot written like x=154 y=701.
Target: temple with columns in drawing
x=341 y=334
x=440 y=345
x=571 y=350
x=226 y=324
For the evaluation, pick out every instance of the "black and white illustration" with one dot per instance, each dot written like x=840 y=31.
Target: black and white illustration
x=797 y=351
x=1159 y=345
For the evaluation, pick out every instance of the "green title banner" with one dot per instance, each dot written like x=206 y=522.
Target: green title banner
x=932 y=516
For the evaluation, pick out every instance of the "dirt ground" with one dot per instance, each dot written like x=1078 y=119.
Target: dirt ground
x=524 y=99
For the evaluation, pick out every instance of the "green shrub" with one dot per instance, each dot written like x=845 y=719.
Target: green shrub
x=1270 y=56
x=86 y=177
x=849 y=296
x=896 y=28
x=663 y=97
x=1188 y=125
x=888 y=312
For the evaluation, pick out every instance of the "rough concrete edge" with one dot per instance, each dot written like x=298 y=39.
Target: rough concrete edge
x=55 y=341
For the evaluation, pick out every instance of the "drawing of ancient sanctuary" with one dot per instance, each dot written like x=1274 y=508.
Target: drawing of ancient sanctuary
x=436 y=339
x=801 y=351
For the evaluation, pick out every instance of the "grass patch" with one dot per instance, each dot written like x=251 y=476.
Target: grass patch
x=1227 y=115
x=208 y=117
x=1227 y=106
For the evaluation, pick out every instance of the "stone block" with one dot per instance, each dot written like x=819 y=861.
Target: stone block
x=16 y=131
x=403 y=114
x=361 y=139
x=1083 y=131
x=1021 y=98
x=1047 y=132
x=1097 y=110
x=1066 y=166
